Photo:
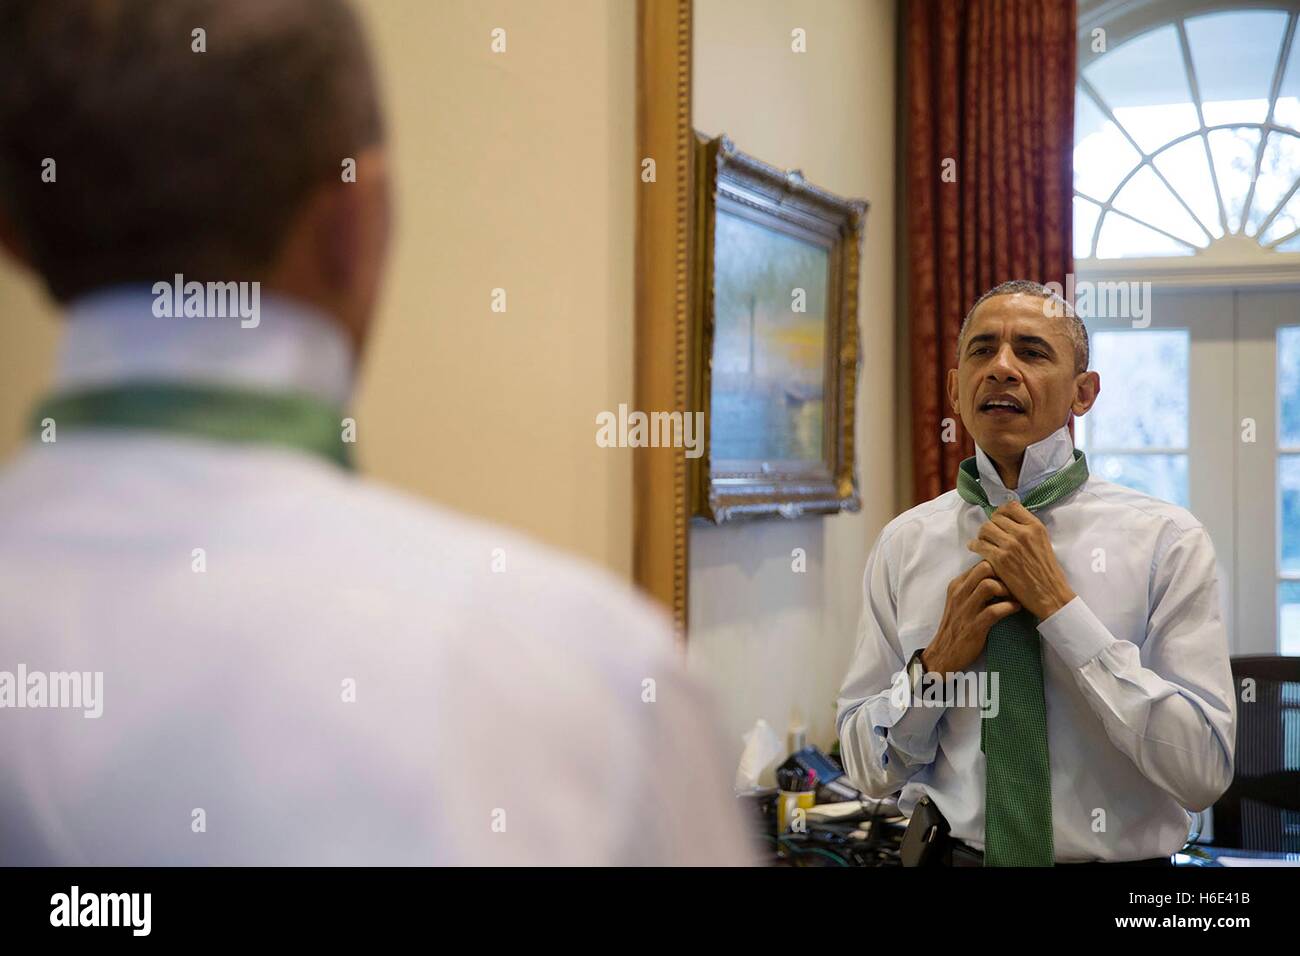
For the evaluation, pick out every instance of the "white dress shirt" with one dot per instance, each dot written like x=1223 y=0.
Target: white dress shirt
x=511 y=705
x=1140 y=704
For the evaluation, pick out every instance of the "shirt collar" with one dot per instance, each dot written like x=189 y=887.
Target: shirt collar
x=1042 y=459
x=112 y=337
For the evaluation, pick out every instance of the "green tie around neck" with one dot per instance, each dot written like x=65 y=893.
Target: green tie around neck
x=1018 y=779
x=205 y=411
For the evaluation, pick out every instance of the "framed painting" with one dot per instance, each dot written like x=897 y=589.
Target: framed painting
x=775 y=339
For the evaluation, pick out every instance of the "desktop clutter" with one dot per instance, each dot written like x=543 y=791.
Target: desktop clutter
x=812 y=816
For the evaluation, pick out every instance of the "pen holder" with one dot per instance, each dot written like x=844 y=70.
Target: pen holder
x=787 y=801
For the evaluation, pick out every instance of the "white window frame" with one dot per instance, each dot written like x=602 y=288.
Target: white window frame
x=1259 y=317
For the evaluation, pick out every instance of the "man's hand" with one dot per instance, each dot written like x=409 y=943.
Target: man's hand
x=976 y=601
x=1016 y=544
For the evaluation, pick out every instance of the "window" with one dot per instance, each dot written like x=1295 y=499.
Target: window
x=1187 y=177
x=1188 y=134
x=1288 y=485
x=1137 y=435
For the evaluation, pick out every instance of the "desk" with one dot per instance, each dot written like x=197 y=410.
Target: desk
x=1218 y=856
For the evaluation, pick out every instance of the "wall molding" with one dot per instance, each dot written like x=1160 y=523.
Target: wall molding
x=1192 y=273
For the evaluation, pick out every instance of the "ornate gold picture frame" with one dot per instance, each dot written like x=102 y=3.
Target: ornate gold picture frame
x=660 y=497
x=774 y=339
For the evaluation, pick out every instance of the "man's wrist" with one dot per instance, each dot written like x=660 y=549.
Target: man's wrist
x=1061 y=599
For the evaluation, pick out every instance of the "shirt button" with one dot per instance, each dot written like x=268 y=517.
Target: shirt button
x=881 y=731
x=884 y=760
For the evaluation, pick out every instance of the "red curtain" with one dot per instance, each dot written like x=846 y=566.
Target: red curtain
x=990 y=86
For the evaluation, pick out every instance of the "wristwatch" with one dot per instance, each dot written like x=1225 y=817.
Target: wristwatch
x=915 y=671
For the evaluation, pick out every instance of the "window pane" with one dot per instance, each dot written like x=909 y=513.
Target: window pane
x=1143 y=399
x=1288 y=600
x=1291 y=245
x=1286 y=222
x=1121 y=237
x=1277 y=174
x=1187 y=167
x=1234 y=165
x=1085 y=221
x=1145 y=197
x=1164 y=476
x=1144 y=82
x=1235 y=55
x=1287 y=110
x=1288 y=386
x=1288 y=492
x=1102 y=154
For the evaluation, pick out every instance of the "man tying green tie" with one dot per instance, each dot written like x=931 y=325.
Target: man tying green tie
x=1089 y=611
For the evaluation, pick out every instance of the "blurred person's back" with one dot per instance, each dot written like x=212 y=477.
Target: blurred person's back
x=298 y=667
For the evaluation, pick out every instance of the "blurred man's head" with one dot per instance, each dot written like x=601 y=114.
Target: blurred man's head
x=1022 y=369
x=223 y=165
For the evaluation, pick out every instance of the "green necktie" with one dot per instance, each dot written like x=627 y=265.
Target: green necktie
x=1018 y=784
x=207 y=411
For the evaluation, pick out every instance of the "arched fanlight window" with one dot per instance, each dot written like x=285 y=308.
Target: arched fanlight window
x=1187 y=139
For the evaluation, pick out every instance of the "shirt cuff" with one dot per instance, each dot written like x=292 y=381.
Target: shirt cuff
x=910 y=729
x=1075 y=633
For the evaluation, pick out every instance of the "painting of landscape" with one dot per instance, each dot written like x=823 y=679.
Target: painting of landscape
x=769 y=347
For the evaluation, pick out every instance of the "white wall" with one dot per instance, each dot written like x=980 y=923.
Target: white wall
x=774 y=641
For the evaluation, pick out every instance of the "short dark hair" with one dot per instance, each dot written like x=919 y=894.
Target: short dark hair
x=1075 y=328
x=169 y=160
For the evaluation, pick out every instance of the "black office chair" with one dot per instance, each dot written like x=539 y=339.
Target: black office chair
x=1261 y=809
